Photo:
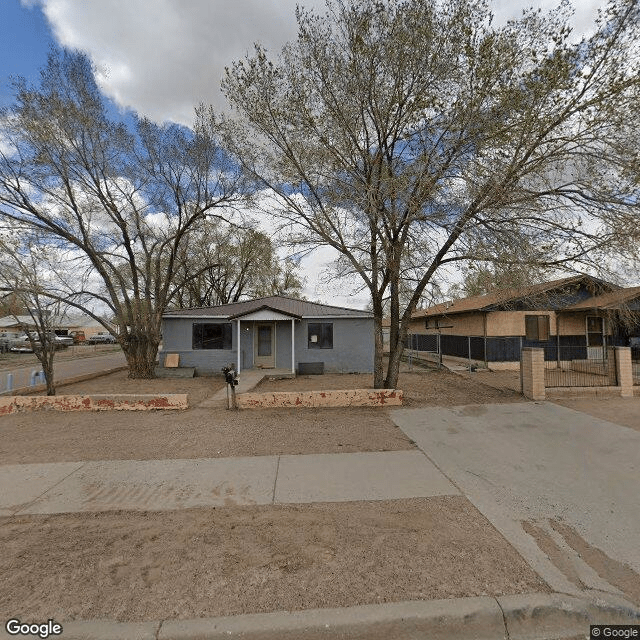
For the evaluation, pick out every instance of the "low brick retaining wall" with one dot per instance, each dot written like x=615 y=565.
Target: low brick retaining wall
x=114 y=402
x=332 y=398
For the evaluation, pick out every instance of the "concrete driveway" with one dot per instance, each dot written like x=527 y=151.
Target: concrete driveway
x=562 y=486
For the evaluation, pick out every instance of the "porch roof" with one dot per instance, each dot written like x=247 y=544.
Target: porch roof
x=619 y=299
x=265 y=312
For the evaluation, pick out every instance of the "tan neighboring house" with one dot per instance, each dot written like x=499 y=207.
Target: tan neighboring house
x=579 y=314
x=62 y=325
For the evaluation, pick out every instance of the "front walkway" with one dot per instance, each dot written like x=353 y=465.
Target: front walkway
x=159 y=485
x=247 y=380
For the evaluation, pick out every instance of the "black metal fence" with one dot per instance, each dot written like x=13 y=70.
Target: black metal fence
x=470 y=347
x=569 y=362
x=581 y=366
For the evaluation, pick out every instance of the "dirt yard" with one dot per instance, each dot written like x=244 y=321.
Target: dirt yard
x=210 y=433
x=422 y=387
x=200 y=562
x=622 y=411
x=51 y=436
x=198 y=389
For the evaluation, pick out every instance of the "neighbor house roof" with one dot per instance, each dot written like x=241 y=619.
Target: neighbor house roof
x=15 y=321
x=508 y=297
x=288 y=306
x=608 y=300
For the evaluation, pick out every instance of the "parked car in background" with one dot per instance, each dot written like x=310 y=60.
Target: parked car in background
x=22 y=344
x=101 y=338
x=65 y=341
x=7 y=338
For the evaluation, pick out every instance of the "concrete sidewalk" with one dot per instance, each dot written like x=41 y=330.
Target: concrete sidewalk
x=157 y=485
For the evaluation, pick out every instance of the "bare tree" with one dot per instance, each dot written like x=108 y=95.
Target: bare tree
x=226 y=263
x=410 y=136
x=22 y=277
x=121 y=200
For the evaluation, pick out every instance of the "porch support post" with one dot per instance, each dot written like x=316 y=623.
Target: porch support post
x=239 y=340
x=293 y=343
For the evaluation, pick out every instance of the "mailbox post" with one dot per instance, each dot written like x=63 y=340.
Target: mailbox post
x=231 y=378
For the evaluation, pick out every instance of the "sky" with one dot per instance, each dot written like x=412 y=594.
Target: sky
x=160 y=58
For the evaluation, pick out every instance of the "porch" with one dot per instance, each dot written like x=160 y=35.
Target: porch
x=266 y=341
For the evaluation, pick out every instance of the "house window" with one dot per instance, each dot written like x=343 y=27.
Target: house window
x=320 y=335
x=211 y=336
x=595 y=331
x=536 y=328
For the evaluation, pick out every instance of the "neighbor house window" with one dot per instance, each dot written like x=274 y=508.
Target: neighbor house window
x=320 y=335
x=536 y=328
x=211 y=336
x=595 y=331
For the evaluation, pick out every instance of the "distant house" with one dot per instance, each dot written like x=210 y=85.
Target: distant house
x=576 y=312
x=269 y=333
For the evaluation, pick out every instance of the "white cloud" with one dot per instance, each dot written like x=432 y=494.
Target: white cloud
x=163 y=57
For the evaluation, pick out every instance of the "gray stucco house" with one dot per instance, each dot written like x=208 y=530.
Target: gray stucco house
x=275 y=333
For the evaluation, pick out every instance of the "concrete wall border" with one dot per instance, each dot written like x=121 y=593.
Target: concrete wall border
x=328 y=398
x=93 y=402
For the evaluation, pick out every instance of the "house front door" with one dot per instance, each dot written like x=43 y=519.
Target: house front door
x=264 y=345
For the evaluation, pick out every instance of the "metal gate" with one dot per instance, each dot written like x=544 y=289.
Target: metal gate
x=580 y=366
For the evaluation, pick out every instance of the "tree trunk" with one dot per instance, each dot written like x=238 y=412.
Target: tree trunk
x=378 y=366
x=141 y=350
x=47 y=367
x=396 y=339
x=396 y=350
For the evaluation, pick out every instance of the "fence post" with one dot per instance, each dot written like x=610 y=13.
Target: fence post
x=9 y=381
x=624 y=372
x=532 y=373
x=611 y=366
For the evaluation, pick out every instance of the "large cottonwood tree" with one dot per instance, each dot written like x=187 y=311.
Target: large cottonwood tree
x=410 y=135
x=119 y=197
x=222 y=263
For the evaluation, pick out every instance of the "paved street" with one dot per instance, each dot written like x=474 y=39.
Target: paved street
x=64 y=369
x=560 y=485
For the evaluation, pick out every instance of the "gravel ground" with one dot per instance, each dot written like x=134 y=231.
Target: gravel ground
x=200 y=562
